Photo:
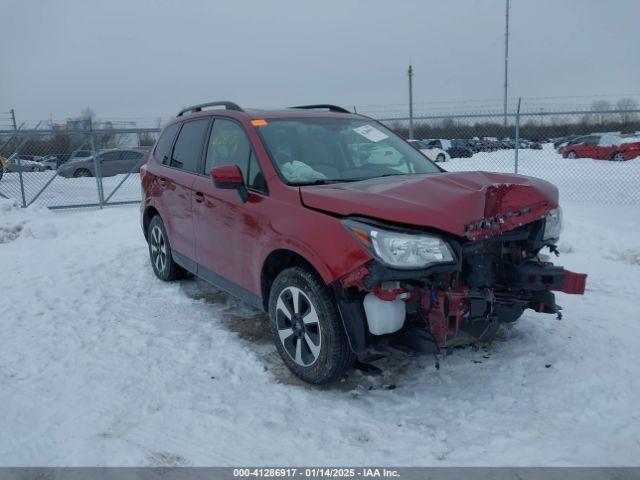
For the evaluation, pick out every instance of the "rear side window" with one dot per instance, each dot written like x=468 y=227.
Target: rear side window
x=111 y=156
x=129 y=155
x=188 y=149
x=163 y=148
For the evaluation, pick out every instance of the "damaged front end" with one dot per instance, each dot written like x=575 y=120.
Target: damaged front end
x=447 y=289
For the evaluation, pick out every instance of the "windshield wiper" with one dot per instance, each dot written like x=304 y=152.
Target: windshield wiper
x=359 y=179
x=326 y=181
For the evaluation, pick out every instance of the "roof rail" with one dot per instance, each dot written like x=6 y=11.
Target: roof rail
x=198 y=108
x=331 y=108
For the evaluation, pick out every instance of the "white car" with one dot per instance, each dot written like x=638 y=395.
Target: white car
x=432 y=153
x=22 y=163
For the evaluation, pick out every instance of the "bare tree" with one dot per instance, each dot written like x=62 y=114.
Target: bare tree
x=626 y=106
x=599 y=107
x=146 y=140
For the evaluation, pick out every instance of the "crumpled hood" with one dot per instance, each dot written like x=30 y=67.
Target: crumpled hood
x=472 y=204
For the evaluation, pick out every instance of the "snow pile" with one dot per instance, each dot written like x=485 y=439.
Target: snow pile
x=103 y=364
x=15 y=221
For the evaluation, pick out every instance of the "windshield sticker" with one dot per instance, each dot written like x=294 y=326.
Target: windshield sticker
x=371 y=133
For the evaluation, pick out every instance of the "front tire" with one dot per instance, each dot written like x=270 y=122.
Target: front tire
x=160 y=252
x=307 y=328
x=440 y=158
x=572 y=155
x=82 y=172
x=617 y=157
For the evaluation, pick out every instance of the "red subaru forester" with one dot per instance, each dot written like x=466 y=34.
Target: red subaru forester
x=345 y=233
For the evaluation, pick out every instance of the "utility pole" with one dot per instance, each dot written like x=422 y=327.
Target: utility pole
x=13 y=119
x=506 y=61
x=410 y=73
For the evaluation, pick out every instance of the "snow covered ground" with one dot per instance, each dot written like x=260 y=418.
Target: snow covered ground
x=44 y=189
x=103 y=364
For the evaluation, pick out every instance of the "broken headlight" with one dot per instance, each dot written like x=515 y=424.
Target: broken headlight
x=398 y=249
x=552 y=225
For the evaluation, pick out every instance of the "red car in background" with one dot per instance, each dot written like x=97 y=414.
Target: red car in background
x=604 y=147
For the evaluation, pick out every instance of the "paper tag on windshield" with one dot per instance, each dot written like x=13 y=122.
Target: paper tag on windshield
x=371 y=133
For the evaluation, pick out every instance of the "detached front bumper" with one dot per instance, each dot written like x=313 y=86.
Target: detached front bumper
x=451 y=299
x=545 y=276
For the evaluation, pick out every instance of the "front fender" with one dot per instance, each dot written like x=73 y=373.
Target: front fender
x=324 y=243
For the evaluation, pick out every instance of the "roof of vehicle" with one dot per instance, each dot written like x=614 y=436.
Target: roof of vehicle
x=234 y=110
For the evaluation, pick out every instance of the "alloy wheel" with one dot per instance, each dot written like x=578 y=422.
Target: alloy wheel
x=298 y=326
x=618 y=157
x=158 y=247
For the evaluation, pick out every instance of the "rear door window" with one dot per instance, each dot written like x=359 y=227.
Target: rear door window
x=111 y=156
x=163 y=147
x=129 y=155
x=187 y=151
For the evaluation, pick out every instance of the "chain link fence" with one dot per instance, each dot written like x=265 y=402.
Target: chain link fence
x=592 y=156
x=78 y=168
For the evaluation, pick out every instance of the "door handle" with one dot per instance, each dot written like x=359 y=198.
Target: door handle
x=198 y=197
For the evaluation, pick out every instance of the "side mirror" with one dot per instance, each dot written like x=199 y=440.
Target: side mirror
x=229 y=177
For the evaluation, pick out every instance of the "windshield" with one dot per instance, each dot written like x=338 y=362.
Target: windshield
x=326 y=150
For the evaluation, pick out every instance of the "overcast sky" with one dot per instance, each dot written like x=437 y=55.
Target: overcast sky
x=148 y=58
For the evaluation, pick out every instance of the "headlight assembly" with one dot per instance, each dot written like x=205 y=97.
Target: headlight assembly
x=401 y=250
x=553 y=225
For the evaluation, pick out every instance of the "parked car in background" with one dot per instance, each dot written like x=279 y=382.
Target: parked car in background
x=53 y=162
x=604 y=147
x=474 y=145
x=22 y=163
x=455 y=148
x=572 y=140
x=562 y=141
x=111 y=162
x=488 y=145
x=79 y=155
x=432 y=153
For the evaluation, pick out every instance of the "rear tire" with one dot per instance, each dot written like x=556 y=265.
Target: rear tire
x=160 y=252
x=307 y=328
